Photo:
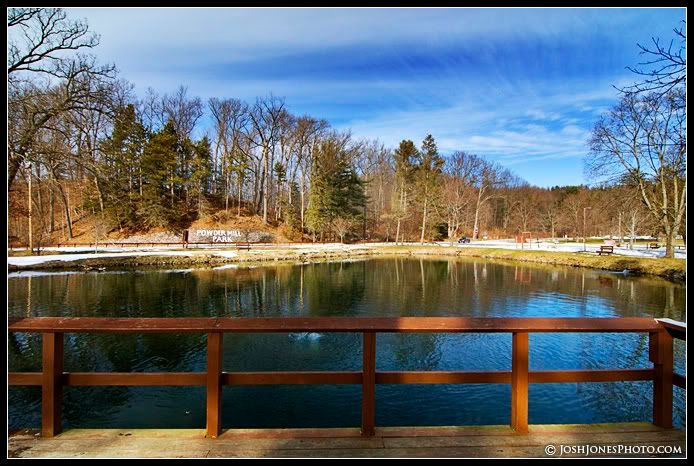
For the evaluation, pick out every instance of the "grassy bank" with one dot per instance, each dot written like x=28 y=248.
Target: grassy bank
x=672 y=269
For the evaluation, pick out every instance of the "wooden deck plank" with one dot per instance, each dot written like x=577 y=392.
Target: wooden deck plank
x=445 y=441
x=231 y=452
x=530 y=439
x=165 y=444
x=428 y=431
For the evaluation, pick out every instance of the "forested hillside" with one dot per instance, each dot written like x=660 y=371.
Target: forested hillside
x=84 y=144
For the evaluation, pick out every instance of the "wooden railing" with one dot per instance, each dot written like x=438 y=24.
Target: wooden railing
x=53 y=378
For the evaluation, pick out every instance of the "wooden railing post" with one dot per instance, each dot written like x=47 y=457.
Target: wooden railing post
x=214 y=384
x=52 y=384
x=368 y=397
x=661 y=354
x=519 y=382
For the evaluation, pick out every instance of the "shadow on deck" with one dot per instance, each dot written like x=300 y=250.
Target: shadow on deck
x=643 y=440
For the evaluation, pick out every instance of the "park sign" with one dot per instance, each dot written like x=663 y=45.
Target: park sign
x=215 y=236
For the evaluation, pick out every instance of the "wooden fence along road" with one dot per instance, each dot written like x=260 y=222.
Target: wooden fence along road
x=53 y=378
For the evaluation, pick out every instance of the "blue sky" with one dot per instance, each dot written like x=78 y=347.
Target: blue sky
x=519 y=86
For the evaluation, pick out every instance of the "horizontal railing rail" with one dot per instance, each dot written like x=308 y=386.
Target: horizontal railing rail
x=335 y=324
x=53 y=378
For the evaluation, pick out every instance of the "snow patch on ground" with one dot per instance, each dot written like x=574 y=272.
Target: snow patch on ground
x=228 y=254
x=33 y=260
x=39 y=273
x=638 y=251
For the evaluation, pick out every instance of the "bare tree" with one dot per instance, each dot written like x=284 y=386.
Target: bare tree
x=642 y=141
x=150 y=110
x=459 y=195
x=266 y=117
x=549 y=213
x=526 y=208
x=487 y=177
x=342 y=226
x=231 y=124
x=635 y=216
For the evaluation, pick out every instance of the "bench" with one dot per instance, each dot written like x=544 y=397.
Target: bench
x=653 y=245
x=244 y=246
x=605 y=249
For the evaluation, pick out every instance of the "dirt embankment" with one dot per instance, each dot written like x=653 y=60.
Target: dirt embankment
x=88 y=229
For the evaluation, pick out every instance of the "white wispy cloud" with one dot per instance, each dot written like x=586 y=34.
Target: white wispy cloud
x=516 y=85
x=517 y=129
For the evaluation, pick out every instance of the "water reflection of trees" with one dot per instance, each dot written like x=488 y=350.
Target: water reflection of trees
x=398 y=286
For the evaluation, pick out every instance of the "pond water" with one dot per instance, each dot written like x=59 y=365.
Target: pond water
x=374 y=287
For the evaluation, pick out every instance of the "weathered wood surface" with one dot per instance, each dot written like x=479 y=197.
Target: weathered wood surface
x=675 y=328
x=333 y=324
x=368 y=393
x=141 y=379
x=52 y=383
x=468 y=441
x=53 y=378
x=519 y=383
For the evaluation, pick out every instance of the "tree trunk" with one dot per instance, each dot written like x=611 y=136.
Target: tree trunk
x=366 y=196
x=266 y=177
x=302 y=202
x=397 y=232
x=424 y=218
x=51 y=201
x=31 y=230
x=98 y=191
x=238 y=201
x=670 y=243
x=172 y=189
x=475 y=228
x=66 y=204
x=14 y=165
x=226 y=193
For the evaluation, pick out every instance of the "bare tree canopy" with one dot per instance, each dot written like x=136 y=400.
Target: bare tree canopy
x=182 y=111
x=38 y=38
x=665 y=66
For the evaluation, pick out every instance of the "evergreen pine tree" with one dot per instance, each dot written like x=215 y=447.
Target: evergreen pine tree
x=428 y=169
x=158 y=167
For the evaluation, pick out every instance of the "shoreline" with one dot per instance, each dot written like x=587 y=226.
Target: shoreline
x=671 y=269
